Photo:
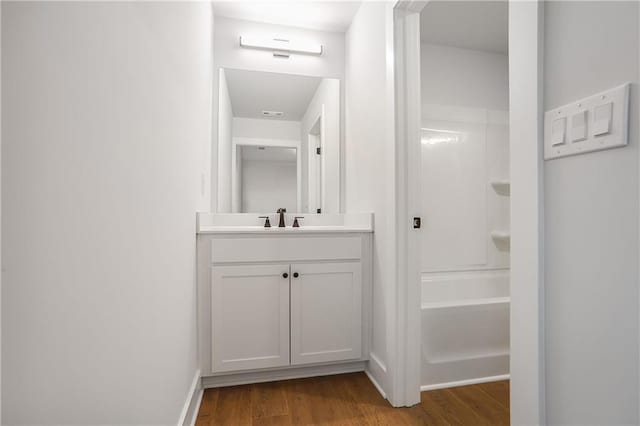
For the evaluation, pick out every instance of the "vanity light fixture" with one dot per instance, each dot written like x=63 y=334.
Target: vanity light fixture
x=281 y=47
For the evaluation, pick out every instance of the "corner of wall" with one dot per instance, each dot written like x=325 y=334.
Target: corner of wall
x=192 y=402
x=376 y=371
x=369 y=133
x=0 y=212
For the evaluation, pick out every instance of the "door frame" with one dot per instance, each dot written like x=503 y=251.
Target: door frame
x=406 y=40
x=236 y=181
x=527 y=310
x=319 y=166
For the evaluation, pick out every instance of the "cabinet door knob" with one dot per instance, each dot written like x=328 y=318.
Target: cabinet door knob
x=285 y=275
x=296 y=275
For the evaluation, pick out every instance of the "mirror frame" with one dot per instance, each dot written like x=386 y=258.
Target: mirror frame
x=328 y=107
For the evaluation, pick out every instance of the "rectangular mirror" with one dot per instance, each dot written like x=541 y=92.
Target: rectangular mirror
x=278 y=139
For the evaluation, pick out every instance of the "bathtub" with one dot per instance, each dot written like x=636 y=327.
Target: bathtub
x=465 y=328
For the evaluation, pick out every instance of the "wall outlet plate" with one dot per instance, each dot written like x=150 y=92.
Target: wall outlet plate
x=591 y=124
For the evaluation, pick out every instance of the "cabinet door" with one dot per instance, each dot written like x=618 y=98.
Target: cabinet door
x=250 y=317
x=326 y=312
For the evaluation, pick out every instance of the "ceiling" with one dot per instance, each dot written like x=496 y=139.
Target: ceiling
x=317 y=15
x=478 y=25
x=252 y=92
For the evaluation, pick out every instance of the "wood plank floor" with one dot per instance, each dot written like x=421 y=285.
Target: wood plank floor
x=350 y=399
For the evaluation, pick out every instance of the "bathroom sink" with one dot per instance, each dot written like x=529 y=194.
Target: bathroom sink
x=238 y=223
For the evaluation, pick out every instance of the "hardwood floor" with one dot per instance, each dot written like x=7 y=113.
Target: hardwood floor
x=350 y=399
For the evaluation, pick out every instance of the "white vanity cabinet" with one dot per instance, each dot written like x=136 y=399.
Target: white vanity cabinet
x=274 y=300
x=250 y=316
x=326 y=312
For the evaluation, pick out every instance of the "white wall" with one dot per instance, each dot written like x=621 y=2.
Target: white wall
x=464 y=77
x=369 y=165
x=262 y=132
x=591 y=217
x=256 y=128
x=0 y=213
x=225 y=135
x=229 y=54
x=327 y=99
x=106 y=114
x=268 y=186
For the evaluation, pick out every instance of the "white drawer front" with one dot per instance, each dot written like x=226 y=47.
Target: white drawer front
x=288 y=249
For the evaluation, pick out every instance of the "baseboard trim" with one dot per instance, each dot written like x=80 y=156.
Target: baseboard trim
x=283 y=374
x=376 y=369
x=381 y=365
x=376 y=384
x=464 y=382
x=196 y=410
x=192 y=403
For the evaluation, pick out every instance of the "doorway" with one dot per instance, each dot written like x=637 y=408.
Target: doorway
x=465 y=193
x=315 y=174
x=525 y=158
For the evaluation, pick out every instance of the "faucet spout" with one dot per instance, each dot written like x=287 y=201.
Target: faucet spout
x=281 y=212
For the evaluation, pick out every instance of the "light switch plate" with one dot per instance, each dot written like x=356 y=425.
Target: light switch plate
x=592 y=124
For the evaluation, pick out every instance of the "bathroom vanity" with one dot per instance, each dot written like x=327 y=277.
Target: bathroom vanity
x=280 y=303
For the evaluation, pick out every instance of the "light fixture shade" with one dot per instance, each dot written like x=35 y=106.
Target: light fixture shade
x=281 y=46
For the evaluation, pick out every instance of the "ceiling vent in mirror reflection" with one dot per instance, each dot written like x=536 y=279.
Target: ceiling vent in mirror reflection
x=439 y=136
x=273 y=114
x=281 y=46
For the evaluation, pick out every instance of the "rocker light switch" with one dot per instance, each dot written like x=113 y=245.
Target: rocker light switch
x=558 y=130
x=579 y=126
x=594 y=123
x=602 y=119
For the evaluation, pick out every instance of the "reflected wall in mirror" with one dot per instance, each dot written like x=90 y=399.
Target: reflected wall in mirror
x=267 y=178
x=278 y=142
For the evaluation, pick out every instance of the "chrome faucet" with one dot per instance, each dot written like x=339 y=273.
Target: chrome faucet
x=281 y=212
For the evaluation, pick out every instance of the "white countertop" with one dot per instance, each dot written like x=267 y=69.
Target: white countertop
x=243 y=223
x=275 y=230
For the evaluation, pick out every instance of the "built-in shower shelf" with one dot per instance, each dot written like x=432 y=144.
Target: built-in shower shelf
x=501 y=236
x=466 y=302
x=501 y=186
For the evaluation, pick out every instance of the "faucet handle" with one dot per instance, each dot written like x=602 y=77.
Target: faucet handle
x=295 y=221
x=267 y=224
